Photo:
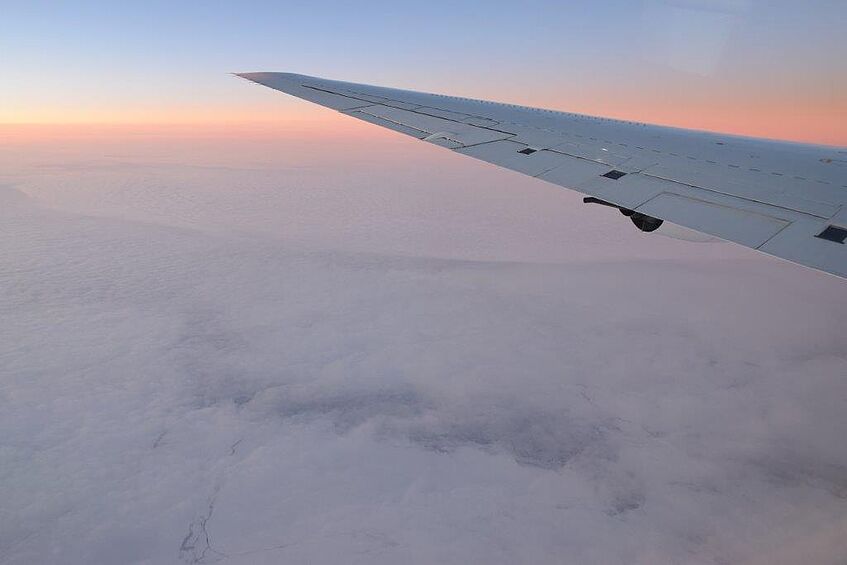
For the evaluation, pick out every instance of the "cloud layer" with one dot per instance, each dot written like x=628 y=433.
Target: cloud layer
x=256 y=361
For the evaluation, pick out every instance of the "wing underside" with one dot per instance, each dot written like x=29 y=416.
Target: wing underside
x=787 y=200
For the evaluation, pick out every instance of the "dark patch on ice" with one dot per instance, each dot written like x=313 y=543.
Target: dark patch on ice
x=626 y=502
x=532 y=436
x=793 y=470
x=348 y=409
x=158 y=441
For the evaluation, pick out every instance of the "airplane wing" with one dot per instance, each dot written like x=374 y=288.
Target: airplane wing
x=785 y=199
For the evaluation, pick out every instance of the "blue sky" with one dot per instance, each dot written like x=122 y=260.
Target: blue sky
x=99 y=61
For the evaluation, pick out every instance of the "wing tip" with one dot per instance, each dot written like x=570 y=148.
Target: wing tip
x=265 y=75
x=252 y=76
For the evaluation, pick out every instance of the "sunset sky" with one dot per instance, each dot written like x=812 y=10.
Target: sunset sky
x=764 y=68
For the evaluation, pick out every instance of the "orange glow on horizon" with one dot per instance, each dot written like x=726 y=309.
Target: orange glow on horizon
x=163 y=116
x=824 y=122
x=329 y=125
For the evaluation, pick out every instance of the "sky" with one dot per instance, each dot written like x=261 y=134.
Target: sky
x=238 y=328
x=766 y=68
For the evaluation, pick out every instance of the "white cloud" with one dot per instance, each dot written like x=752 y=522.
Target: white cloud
x=210 y=365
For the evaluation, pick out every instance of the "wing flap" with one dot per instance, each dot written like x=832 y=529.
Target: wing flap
x=754 y=185
x=741 y=226
x=801 y=243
